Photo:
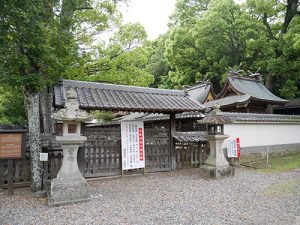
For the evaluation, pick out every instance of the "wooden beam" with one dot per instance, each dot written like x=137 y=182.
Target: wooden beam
x=172 y=144
x=10 y=177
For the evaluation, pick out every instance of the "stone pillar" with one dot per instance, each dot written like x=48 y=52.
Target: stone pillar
x=69 y=186
x=216 y=165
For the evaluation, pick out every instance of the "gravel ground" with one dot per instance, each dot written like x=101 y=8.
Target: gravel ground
x=166 y=198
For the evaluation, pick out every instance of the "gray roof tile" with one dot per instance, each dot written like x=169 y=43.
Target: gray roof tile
x=92 y=95
x=190 y=136
x=256 y=117
x=200 y=92
x=229 y=100
x=254 y=88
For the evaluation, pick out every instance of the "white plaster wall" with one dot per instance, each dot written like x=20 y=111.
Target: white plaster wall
x=262 y=134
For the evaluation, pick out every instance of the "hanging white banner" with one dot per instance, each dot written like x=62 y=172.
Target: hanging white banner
x=132 y=138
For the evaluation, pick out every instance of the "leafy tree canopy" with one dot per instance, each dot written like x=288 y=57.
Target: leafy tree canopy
x=208 y=37
x=123 y=60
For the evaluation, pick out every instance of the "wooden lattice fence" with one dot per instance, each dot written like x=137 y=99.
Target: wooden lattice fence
x=191 y=155
x=101 y=155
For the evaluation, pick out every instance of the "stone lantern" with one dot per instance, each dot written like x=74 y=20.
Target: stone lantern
x=70 y=186
x=216 y=165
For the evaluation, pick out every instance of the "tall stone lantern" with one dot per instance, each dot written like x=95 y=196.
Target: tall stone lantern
x=70 y=186
x=216 y=165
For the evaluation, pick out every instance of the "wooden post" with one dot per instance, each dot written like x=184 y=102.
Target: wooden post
x=45 y=175
x=172 y=146
x=10 y=177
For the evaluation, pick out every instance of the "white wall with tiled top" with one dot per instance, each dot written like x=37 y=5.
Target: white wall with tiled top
x=263 y=134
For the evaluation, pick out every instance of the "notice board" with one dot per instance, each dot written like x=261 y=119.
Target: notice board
x=12 y=145
x=132 y=139
x=233 y=148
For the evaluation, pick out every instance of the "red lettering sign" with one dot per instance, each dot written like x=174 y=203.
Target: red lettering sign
x=141 y=144
x=238 y=147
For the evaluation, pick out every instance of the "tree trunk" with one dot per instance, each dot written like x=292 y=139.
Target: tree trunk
x=32 y=106
x=291 y=12
x=45 y=101
x=270 y=83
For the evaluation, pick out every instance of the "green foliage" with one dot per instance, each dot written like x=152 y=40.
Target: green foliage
x=288 y=90
x=41 y=41
x=211 y=36
x=157 y=65
x=105 y=116
x=124 y=60
x=26 y=36
x=12 y=109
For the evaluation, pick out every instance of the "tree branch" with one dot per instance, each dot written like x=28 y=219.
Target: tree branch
x=82 y=8
x=267 y=25
x=291 y=12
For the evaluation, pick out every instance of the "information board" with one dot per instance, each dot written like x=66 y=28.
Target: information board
x=10 y=145
x=43 y=157
x=132 y=138
x=233 y=148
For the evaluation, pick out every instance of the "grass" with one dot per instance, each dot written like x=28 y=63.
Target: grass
x=283 y=189
x=281 y=163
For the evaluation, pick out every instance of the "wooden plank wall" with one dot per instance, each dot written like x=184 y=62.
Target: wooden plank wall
x=101 y=155
x=157 y=142
x=21 y=172
x=191 y=155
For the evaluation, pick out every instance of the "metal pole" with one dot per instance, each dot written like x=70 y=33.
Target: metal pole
x=267 y=154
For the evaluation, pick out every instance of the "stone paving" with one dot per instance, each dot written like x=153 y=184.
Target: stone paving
x=181 y=197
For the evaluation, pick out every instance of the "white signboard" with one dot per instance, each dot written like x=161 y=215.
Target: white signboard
x=132 y=137
x=233 y=148
x=43 y=157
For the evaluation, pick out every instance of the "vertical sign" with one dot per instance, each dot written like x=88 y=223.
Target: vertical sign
x=238 y=147
x=234 y=148
x=132 y=138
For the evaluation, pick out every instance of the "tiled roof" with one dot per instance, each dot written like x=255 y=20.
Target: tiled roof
x=185 y=115
x=200 y=92
x=230 y=116
x=293 y=103
x=190 y=136
x=92 y=95
x=256 y=117
x=229 y=100
x=254 y=88
x=151 y=117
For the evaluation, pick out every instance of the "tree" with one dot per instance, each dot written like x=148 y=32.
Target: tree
x=257 y=34
x=12 y=109
x=38 y=43
x=157 y=65
x=280 y=21
x=123 y=61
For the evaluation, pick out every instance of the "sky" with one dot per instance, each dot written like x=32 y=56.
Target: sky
x=151 y=14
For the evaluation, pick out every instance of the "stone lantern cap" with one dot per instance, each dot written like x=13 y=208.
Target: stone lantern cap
x=215 y=117
x=71 y=111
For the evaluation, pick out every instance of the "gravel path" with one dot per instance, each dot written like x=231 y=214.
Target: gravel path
x=167 y=198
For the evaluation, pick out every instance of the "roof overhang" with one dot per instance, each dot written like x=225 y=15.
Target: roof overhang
x=100 y=96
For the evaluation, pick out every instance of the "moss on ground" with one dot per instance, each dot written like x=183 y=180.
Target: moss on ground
x=280 y=163
x=284 y=189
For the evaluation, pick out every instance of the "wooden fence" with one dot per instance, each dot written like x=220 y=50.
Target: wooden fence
x=101 y=155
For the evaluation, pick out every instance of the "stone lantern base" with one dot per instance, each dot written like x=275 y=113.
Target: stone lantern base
x=69 y=186
x=216 y=165
x=216 y=172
